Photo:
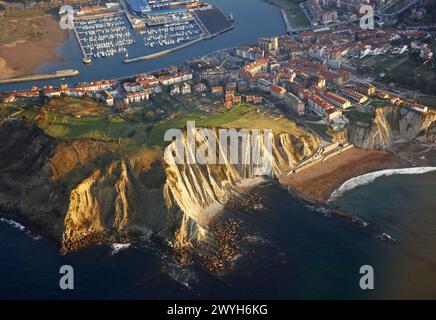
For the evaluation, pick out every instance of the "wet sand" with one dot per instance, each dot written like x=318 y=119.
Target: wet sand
x=320 y=180
x=23 y=55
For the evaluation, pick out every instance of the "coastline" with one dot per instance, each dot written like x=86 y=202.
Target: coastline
x=320 y=180
x=24 y=55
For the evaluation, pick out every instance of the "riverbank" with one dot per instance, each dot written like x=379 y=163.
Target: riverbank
x=28 y=40
x=320 y=180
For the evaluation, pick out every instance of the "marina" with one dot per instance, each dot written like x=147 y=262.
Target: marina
x=106 y=36
x=103 y=32
x=170 y=34
x=247 y=30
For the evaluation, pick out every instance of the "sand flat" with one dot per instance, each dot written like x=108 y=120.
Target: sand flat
x=28 y=51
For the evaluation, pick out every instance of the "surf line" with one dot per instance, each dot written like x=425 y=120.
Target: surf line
x=370 y=178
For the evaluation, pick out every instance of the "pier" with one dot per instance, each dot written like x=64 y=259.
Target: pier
x=165 y=52
x=285 y=18
x=42 y=76
x=80 y=42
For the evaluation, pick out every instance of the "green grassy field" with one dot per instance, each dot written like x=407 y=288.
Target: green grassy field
x=380 y=103
x=404 y=65
x=242 y=116
x=135 y=131
x=99 y=127
x=296 y=16
x=357 y=116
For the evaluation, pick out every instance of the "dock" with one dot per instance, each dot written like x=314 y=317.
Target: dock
x=42 y=76
x=165 y=52
x=285 y=18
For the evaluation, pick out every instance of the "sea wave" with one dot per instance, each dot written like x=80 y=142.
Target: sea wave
x=13 y=223
x=20 y=227
x=117 y=247
x=370 y=178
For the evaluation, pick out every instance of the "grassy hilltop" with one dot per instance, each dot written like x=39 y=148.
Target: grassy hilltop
x=72 y=118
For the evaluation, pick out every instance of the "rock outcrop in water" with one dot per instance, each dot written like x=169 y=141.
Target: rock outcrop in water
x=82 y=191
x=395 y=125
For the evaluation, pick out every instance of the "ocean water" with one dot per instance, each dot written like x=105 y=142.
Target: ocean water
x=404 y=207
x=297 y=251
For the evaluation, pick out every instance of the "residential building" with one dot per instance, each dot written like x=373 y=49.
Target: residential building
x=294 y=103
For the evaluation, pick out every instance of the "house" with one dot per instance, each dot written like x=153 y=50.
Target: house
x=357 y=96
x=294 y=103
x=186 y=88
x=9 y=98
x=97 y=85
x=420 y=108
x=332 y=114
x=147 y=80
x=241 y=86
x=174 y=90
x=337 y=100
x=51 y=92
x=230 y=95
x=323 y=108
x=253 y=68
x=200 y=87
x=213 y=75
x=264 y=84
x=64 y=88
x=231 y=86
x=366 y=89
x=217 y=90
x=257 y=99
x=76 y=92
x=277 y=91
x=107 y=98
x=135 y=97
x=250 y=53
x=132 y=86
x=175 y=78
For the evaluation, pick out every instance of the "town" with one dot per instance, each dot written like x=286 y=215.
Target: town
x=165 y=149
x=323 y=79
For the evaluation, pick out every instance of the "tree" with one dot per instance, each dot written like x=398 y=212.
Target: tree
x=150 y=115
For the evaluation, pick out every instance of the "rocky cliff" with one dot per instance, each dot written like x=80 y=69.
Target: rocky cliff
x=393 y=126
x=81 y=191
x=202 y=190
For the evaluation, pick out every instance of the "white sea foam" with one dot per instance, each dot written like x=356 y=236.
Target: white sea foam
x=13 y=223
x=20 y=227
x=370 y=177
x=117 y=247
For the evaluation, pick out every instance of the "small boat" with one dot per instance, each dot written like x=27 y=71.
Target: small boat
x=86 y=60
x=385 y=236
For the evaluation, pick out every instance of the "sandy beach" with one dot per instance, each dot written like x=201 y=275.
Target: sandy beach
x=36 y=39
x=321 y=179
